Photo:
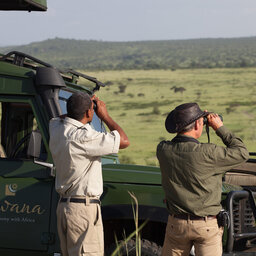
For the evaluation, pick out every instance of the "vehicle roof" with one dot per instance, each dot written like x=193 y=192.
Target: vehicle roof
x=20 y=70
x=23 y=5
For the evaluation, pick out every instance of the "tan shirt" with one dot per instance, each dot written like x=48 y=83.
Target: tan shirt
x=76 y=150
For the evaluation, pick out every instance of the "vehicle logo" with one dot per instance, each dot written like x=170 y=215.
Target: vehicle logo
x=10 y=189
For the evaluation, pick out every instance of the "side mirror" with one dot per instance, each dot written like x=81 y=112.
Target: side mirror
x=34 y=145
x=34 y=148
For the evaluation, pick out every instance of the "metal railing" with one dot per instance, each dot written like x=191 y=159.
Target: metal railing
x=232 y=197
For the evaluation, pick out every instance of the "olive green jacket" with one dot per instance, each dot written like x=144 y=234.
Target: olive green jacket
x=192 y=172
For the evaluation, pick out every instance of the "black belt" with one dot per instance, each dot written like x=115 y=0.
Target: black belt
x=79 y=200
x=192 y=217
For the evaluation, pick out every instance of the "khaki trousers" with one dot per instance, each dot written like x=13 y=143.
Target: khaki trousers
x=181 y=235
x=80 y=229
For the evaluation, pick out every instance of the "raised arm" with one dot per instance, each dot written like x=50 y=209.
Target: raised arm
x=102 y=113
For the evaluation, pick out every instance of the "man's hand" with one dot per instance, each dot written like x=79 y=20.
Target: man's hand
x=214 y=121
x=102 y=113
x=101 y=109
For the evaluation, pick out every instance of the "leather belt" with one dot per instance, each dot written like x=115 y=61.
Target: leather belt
x=80 y=200
x=193 y=217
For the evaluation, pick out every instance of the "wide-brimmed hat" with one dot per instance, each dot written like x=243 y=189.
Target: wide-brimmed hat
x=182 y=116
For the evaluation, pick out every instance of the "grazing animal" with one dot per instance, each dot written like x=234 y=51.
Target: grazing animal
x=178 y=89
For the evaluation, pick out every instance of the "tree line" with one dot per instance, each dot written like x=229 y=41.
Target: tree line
x=165 y=54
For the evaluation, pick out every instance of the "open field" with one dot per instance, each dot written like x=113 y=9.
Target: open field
x=148 y=96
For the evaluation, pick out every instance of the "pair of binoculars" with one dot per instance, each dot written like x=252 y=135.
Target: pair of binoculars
x=206 y=120
x=94 y=105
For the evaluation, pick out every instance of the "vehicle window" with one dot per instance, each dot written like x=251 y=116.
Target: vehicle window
x=17 y=123
x=96 y=122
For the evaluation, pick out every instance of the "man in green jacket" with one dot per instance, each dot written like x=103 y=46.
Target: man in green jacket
x=192 y=177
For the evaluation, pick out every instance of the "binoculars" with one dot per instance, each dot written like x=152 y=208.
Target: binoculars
x=206 y=121
x=94 y=105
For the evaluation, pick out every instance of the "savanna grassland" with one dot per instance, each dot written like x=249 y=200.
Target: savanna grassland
x=140 y=101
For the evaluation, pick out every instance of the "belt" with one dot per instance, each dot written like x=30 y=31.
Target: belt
x=193 y=217
x=80 y=200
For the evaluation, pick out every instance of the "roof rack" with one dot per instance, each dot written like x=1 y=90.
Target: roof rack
x=19 y=60
x=90 y=78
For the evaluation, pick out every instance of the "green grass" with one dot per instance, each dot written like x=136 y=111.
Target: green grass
x=148 y=98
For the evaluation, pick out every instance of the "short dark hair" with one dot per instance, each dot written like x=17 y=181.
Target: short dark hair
x=77 y=105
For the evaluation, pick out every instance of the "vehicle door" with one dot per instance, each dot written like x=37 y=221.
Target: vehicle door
x=25 y=186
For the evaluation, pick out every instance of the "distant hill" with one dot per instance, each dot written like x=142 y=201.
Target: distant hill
x=168 y=54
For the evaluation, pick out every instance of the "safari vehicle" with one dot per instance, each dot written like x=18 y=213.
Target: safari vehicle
x=31 y=93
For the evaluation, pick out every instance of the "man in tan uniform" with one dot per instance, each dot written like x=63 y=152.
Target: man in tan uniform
x=76 y=150
x=192 y=178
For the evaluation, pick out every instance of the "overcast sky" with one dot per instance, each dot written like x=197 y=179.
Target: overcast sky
x=130 y=20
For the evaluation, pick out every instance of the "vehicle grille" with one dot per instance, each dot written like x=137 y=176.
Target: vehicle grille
x=244 y=221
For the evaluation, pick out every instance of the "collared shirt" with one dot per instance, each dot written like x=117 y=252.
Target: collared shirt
x=192 y=172
x=76 y=150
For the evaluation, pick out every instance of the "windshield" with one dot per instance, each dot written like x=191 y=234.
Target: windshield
x=96 y=122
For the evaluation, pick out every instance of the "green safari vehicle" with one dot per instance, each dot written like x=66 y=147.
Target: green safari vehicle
x=31 y=93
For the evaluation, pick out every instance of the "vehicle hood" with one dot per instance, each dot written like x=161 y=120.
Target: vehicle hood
x=139 y=174
x=131 y=174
